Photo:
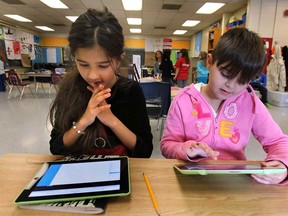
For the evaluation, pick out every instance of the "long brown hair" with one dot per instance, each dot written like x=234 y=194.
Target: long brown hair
x=92 y=27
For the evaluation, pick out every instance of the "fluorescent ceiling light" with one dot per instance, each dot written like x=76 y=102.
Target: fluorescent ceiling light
x=134 y=21
x=44 y=28
x=180 y=32
x=72 y=18
x=17 y=17
x=190 y=23
x=134 y=5
x=209 y=8
x=133 y=30
x=54 y=4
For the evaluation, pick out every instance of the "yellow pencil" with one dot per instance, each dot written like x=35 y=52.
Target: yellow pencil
x=151 y=193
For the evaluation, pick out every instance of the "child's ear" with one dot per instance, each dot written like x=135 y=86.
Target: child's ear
x=209 y=61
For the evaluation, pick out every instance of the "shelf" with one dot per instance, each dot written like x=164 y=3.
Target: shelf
x=213 y=38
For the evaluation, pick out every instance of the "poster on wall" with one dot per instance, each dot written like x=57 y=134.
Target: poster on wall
x=9 y=33
x=25 y=60
x=36 y=39
x=38 y=54
x=153 y=44
x=12 y=49
x=51 y=55
x=16 y=47
x=28 y=49
x=24 y=37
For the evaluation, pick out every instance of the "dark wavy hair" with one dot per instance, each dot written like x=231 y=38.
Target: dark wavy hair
x=240 y=51
x=91 y=28
x=185 y=55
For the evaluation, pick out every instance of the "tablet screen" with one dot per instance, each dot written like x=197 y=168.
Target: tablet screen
x=71 y=180
x=204 y=169
x=221 y=167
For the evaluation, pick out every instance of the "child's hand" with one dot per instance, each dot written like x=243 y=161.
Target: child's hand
x=196 y=149
x=271 y=178
x=97 y=103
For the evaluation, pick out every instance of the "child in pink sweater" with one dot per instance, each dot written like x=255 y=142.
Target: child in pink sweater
x=214 y=121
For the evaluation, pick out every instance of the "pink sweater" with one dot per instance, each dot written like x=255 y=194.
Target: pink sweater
x=190 y=117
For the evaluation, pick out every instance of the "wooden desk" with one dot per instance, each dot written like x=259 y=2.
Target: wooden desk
x=176 y=194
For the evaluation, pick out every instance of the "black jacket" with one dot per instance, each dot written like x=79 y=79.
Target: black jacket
x=128 y=104
x=166 y=67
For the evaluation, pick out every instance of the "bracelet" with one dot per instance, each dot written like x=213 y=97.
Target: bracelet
x=76 y=129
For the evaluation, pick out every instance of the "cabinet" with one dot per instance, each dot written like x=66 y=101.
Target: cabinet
x=213 y=38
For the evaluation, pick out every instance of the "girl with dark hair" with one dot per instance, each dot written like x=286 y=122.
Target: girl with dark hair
x=97 y=111
x=182 y=68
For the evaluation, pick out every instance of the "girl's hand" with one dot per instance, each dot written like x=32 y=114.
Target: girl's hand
x=197 y=149
x=271 y=178
x=97 y=103
x=105 y=115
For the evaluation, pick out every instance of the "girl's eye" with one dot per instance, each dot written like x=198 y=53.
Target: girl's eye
x=103 y=66
x=83 y=65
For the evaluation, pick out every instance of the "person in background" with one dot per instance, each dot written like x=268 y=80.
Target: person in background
x=96 y=111
x=215 y=121
x=2 y=76
x=157 y=63
x=166 y=67
x=182 y=68
x=202 y=70
x=259 y=83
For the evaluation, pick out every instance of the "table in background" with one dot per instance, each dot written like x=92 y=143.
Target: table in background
x=39 y=77
x=175 y=193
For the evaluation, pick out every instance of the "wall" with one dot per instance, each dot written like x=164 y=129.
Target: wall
x=266 y=18
x=129 y=43
x=54 y=42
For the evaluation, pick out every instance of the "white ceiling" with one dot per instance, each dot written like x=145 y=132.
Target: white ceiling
x=152 y=14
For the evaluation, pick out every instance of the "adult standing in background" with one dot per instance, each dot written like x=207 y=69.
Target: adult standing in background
x=157 y=63
x=166 y=67
x=182 y=68
x=202 y=70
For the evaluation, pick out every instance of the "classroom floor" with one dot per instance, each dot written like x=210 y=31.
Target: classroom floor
x=24 y=127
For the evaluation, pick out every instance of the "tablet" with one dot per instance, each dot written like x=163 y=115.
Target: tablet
x=201 y=169
x=77 y=180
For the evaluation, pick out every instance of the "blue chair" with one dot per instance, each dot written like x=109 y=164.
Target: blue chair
x=158 y=99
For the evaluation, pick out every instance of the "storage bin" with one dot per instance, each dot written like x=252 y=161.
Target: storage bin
x=277 y=98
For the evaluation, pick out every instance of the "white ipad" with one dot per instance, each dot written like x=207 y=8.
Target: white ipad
x=205 y=169
x=77 y=180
